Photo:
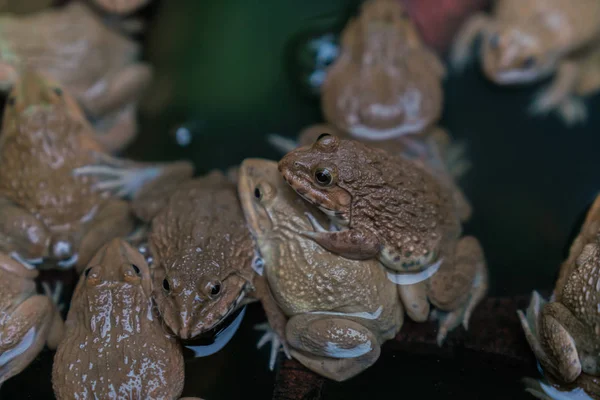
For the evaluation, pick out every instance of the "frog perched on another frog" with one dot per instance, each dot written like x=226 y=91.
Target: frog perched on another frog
x=96 y=65
x=385 y=83
x=49 y=208
x=27 y=320
x=202 y=256
x=114 y=345
x=564 y=332
x=527 y=41
x=341 y=311
x=391 y=209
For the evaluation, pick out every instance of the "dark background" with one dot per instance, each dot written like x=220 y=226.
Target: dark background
x=223 y=73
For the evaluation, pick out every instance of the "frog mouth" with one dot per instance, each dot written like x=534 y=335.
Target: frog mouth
x=214 y=335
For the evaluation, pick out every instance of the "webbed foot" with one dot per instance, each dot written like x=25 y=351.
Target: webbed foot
x=277 y=344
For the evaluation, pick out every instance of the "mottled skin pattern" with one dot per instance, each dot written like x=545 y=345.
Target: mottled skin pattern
x=121 y=6
x=114 y=345
x=97 y=65
x=564 y=332
x=202 y=254
x=26 y=318
x=316 y=289
x=435 y=159
x=46 y=211
x=392 y=209
x=527 y=41
x=386 y=83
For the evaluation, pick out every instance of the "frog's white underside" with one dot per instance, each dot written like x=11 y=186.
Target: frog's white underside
x=222 y=338
x=19 y=349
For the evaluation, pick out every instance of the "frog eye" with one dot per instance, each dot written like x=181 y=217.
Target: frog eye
x=323 y=177
x=135 y=268
x=528 y=62
x=257 y=193
x=166 y=285
x=58 y=91
x=213 y=288
x=323 y=135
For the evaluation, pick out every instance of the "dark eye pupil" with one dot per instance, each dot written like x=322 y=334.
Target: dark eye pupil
x=166 y=285
x=323 y=176
x=215 y=289
x=136 y=269
x=58 y=91
x=257 y=193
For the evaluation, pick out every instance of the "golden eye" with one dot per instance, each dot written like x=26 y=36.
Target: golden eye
x=323 y=177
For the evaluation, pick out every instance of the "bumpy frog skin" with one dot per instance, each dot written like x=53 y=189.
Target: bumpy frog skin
x=27 y=320
x=114 y=345
x=527 y=41
x=433 y=151
x=340 y=310
x=97 y=65
x=563 y=333
x=202 y=255
x=385 y=83
x=392 y=209
x=121 y=7
x=50 y=205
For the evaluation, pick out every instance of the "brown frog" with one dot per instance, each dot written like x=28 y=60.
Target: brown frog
x=433 y=151
x=564 y=332
x=202 y=258
x=121 y=7
x=27 y=320
x=97 y=65
x=49 y=207
x=340 y=311
x=114 y=345
x=391 y=209
x=527 y=41
x=385 y=83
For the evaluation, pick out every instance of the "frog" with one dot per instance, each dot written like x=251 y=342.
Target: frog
x=28 y=320
x=121 y=7
x=99 y=66
x=526 y=42
x=339 y=311
x=390 y=209
x=433 y=151
x=563 y=331
x=52 y=208
x=114 y=343
x=203 y=260
x=385 y=83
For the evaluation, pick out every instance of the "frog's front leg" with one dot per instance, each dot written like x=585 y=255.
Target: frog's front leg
x=334 y=347
x=22 y=236
x=31 y=323
x=126 y=178
x=461 y=47
x=563 y=337
x=123 y=88
x=560 y=94
x=114 y=220
x=116 y=131
x=276 y=321
x=350 y=243
x=459 y=286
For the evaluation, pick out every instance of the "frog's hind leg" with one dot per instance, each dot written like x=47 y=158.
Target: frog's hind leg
x=460 y=52
x=459 y=287
x=334 y=347
x=115 y=220
x=22 y=236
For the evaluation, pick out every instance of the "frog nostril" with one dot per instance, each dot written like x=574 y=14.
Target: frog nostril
x=166 y=285
x=135 y=268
